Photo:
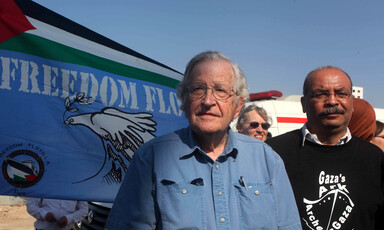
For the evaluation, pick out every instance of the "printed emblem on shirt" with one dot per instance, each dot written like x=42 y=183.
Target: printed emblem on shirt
x=333 y=207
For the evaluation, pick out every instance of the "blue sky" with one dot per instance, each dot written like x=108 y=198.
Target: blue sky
x=275 y=42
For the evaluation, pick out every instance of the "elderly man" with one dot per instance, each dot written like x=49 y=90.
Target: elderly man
x=206 y=176
x=337 y=178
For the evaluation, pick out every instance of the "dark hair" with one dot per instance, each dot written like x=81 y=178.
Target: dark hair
x=379 y=128
x=306 y=81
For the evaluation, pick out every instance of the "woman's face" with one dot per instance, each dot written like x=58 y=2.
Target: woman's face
x=249 y=128
x=379 y=140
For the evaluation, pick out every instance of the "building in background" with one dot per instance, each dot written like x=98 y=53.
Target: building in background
x=357 y=92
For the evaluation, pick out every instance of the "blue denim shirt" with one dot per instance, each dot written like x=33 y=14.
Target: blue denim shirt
x=172 y=184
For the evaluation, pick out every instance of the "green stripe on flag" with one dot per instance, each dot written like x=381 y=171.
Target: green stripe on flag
x=41 y=47
x=19 y=179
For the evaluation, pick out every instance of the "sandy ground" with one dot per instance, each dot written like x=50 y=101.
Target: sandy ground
x=15 y=217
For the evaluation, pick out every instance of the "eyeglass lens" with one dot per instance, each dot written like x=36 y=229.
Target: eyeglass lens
x=255 y=124
x=326 y=95
x=197 y=91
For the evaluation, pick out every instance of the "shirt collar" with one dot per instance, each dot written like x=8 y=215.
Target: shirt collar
x=313 y=137
x=231 y=147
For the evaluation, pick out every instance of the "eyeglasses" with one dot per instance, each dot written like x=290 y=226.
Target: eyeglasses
x=255 y=124
x=220 y=92
x=325 y=95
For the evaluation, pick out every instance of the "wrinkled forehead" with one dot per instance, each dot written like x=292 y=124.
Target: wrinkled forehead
x=216 y=69
x=329 y=78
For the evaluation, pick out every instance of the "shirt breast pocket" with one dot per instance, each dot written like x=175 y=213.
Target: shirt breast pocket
x=181 y=204
x=256 y=205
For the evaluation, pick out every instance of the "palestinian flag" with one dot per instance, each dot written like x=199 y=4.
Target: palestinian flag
x=77 y=103
x=58 y=38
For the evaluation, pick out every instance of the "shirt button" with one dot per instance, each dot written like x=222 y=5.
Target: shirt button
x=219 y=192
x=222 y=219
x=184 y=191
x=217 y=166
x=257 y=192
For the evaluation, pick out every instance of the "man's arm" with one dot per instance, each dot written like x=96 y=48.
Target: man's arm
x=288 y=215
x=80 y=212
x=134 y=206
x=35 y=209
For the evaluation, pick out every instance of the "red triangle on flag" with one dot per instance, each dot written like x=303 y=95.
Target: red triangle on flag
x=30 y=177
x=12 y=21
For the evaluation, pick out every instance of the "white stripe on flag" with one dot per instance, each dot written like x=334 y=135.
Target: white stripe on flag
x=60 y=36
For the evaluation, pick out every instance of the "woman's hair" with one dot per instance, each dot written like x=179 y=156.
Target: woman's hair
x=243 y=118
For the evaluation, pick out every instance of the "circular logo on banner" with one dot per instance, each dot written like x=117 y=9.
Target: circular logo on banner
x=23 y=168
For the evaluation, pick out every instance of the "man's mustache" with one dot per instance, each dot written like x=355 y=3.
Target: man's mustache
x=332 y=110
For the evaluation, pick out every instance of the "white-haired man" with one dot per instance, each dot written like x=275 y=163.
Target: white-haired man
x=206 y=176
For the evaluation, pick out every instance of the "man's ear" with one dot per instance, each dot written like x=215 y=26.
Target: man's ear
x=240 y=105
x=303 y=105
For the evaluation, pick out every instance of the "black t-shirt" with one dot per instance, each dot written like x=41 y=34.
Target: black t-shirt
x=336 y=187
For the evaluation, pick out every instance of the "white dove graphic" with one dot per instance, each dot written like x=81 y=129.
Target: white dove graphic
x=120 y=132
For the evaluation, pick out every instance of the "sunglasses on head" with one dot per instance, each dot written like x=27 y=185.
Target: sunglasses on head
x=255 y=124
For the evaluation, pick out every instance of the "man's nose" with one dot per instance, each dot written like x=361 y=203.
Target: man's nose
x=331 y=99
x=209 y=98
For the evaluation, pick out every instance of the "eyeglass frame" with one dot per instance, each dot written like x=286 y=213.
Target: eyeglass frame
x=255 y=125
x=325 y=95
x=230 y=94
